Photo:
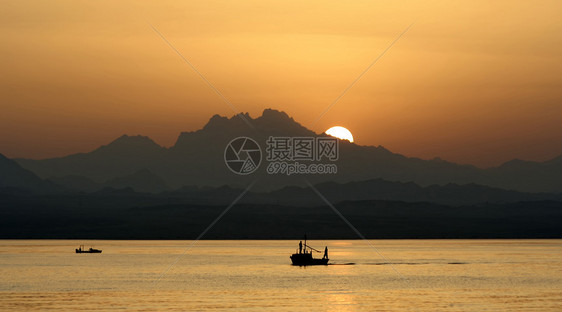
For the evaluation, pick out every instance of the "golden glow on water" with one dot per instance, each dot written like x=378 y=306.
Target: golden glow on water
x=343 y=300
x=439 y=275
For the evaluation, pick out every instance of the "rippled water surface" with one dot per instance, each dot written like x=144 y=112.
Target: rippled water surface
x=411 y=275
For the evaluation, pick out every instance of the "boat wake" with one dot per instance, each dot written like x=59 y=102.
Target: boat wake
x=410 y=263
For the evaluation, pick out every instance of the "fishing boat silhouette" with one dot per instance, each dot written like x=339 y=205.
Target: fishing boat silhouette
x=303 y=255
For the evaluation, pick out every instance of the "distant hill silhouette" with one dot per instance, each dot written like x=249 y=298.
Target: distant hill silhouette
x=378 y=189
x=528 y=175
x=140 y=181
x=197 y=159
x=77 y=183
x=126 y=155
x=16 y=178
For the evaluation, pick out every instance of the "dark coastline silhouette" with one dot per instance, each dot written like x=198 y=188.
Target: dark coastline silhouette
x=123 y=216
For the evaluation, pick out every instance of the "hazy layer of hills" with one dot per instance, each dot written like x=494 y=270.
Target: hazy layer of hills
x=183 y=214
x=16 y=180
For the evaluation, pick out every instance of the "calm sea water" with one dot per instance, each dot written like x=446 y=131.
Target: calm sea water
x=425 y=275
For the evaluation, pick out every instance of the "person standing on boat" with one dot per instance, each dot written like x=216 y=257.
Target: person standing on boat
x=325 y=253
x=300 y=247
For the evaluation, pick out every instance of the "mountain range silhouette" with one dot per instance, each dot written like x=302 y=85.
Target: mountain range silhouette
x=196 y=159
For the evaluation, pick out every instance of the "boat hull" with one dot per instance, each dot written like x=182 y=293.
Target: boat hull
x=306 y=259
x=88 y=251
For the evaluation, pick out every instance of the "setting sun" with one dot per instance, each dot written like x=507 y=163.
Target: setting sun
x=340 y=133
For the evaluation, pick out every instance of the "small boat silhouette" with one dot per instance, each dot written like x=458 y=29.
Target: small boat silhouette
x=303 y=256
x=91 y=250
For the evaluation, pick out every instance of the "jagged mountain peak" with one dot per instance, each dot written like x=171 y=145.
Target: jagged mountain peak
x=271 y=114
x=218 y=122
x=279 y=122
x=270 y=118
x=271 y=123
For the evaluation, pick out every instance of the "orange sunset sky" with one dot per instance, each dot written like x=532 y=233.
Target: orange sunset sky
x=476 y=82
